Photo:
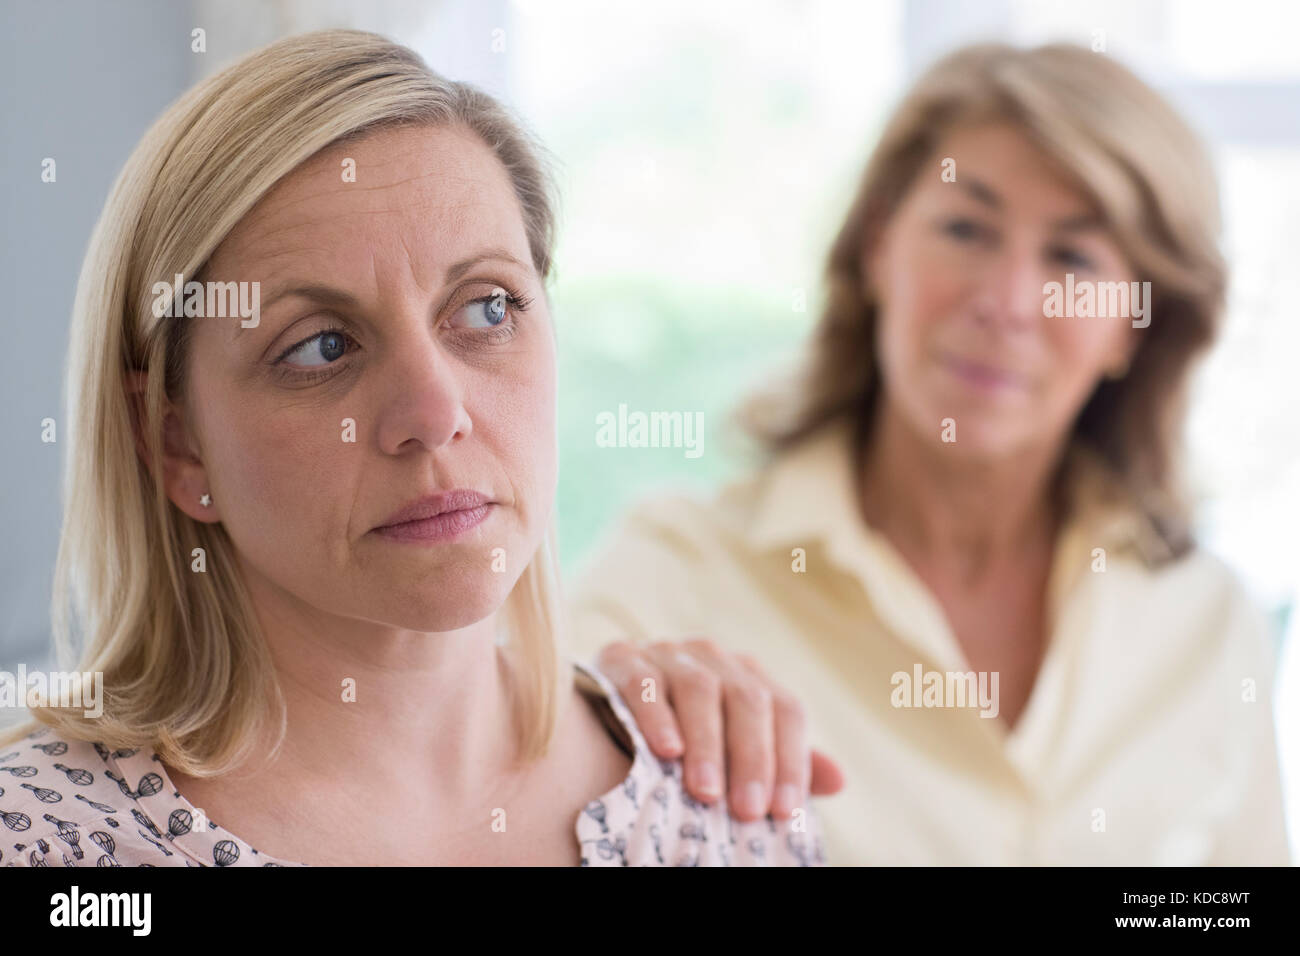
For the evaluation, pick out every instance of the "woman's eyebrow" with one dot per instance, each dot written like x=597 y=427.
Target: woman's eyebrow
x=1080 y=222
x=331 y=296
x=1072 y=223
x=320 y=293
x=460 y=268
x=982 y=192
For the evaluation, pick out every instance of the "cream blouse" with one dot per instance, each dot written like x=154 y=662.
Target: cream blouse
x=1148 y=737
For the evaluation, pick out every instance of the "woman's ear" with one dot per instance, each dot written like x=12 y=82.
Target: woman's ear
x=184 y=478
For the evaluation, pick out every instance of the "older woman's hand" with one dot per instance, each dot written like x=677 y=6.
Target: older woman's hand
x=703 y=698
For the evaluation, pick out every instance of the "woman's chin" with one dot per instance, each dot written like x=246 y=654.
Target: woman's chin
x=420 y=614
x=435 y=604
x=988 y=439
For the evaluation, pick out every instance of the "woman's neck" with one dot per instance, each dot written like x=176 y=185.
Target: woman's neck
x=407 y=709
x=948 y=510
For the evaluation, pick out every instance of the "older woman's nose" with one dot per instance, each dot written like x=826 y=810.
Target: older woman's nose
x=423 y=399
x=1010 y=297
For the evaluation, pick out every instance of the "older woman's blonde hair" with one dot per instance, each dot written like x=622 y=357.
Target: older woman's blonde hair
x=186 y=670
x=1152 y=181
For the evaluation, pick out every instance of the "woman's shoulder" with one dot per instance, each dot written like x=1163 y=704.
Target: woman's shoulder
x=69 y=802
x=1203 y=583
x=61 y=802
x=1196 y=605
x=1216 y=594
x=650 y=820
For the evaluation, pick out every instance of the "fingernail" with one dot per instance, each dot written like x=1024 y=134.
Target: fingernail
x=669 y=740
x=708 y=778
x=754 y=802
x=787 y=799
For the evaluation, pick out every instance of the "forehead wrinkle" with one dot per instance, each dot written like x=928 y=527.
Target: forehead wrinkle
x=268 y=260
x=456 y=209
x=380 y=187
x=278 y=202
x=447 y=157
x=410 y=263
x=284 y=240
x=459 y=199
x=456 y=173
x=280 y=243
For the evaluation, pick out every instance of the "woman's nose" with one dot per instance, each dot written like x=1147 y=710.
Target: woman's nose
x=423 y=398
x=1010 y=297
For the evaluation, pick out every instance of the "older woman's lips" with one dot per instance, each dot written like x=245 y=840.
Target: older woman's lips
x=981 y=376
x=449 y=524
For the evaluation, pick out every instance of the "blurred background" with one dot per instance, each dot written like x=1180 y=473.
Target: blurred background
x=705 y=153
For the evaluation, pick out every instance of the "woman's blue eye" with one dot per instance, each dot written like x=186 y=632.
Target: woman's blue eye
x=488 y=312
x=319 y=350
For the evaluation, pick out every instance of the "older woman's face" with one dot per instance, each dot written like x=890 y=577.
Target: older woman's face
x=959 y=274
x=394 y=359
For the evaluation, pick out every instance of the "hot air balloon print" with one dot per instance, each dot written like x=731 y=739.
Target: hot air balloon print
x=17 y=822
x=81 y=778
x=43 y=794
x=225 y=853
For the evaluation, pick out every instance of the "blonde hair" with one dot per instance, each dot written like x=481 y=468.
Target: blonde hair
x=186 y=671
x=1153 y=182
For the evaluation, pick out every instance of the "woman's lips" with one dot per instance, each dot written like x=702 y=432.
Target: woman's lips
x=981 y=376
x=441 y=527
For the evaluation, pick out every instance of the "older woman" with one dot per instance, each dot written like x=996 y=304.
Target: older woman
x=968 y=554
x=295 y=533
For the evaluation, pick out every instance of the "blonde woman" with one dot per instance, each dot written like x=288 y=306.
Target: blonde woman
x=968 y=554
x=296 y=531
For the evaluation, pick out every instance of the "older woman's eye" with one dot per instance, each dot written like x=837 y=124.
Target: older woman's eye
x=963 y=229
x=1071 y=258
x=320 y=350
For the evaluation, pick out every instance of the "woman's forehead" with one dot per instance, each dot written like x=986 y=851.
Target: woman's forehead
x=1001 y=160
x=442 y=186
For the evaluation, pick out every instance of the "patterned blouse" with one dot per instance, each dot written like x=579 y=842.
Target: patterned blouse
x=73 y=803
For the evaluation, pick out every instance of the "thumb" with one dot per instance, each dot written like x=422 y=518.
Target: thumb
x=827 y=778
